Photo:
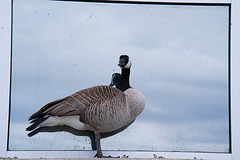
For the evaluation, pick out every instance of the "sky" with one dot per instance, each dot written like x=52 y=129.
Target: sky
x=179 y=60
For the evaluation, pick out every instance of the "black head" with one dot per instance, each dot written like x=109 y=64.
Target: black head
x=116 y=79
x=124 y=62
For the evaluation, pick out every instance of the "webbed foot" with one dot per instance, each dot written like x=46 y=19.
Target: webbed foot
x=102 y=156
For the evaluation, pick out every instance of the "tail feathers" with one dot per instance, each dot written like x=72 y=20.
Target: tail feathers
x=34 y=132
x=40 y=113
x=35 y=123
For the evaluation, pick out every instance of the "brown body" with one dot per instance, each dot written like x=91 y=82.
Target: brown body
x=102 y=108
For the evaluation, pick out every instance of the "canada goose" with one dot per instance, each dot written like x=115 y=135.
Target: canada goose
x=100 y=109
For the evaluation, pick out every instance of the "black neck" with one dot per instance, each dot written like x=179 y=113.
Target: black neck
x=124 y=84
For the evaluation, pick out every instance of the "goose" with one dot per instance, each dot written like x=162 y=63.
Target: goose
x=100 y=109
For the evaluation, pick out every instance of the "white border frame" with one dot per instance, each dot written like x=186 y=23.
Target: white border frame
x=5 y=56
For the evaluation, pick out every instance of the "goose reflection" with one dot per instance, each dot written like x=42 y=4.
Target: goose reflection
x=76 y=132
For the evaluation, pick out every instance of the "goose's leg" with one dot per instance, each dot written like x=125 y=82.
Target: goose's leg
x=99 y=150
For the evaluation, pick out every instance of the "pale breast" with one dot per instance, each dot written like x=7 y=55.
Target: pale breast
x=136 y=101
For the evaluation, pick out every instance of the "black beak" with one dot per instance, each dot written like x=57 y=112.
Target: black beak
x=111 y=84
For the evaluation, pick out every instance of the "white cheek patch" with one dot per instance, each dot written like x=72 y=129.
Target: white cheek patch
x=129 y=64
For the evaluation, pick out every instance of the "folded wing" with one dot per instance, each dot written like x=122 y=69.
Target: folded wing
x=77 y=103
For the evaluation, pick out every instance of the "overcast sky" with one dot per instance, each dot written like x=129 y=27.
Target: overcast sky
x=180 y=64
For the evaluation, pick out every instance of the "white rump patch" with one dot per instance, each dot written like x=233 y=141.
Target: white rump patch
x=71 y=121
